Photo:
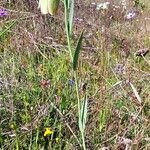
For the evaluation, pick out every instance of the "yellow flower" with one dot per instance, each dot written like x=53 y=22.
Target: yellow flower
x=48 y=6
x=48 y=132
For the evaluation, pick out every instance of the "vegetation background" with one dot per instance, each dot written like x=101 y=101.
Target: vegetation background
x=37 y=91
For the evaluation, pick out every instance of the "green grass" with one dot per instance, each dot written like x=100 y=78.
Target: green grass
x=37 y=87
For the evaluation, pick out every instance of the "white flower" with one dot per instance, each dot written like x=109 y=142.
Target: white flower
x=102 y=6
x=48 y=6
x=43 y=5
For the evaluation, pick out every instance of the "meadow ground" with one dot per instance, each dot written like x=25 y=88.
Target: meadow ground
x=38 y=102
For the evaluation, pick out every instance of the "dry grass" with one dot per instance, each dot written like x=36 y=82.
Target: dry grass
x=35 y=77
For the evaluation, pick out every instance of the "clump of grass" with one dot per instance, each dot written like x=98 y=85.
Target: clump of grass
x=38 y=85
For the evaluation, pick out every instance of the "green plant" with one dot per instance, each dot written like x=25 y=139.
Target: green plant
x=82 y=107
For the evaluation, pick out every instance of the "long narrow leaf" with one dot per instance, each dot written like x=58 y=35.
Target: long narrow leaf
x=66 y=5
x=83 y=115
x=66 y=2
x=71 y=13
x=77 y=51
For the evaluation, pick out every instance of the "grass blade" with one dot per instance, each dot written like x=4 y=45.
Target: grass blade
x=71 y=13
x=77 y=51
x=7 y=28
x=136 y=93
x=83 y=115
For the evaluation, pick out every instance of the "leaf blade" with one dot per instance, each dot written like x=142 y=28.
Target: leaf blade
x=71 y=14
x=77 y=51
x=83 y=114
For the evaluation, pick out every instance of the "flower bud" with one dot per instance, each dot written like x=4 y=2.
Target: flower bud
x=48 y=6
x=53 y=6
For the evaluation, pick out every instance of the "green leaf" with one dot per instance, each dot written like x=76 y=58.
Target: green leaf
x=83 y=115
x=66 y=3
x=77 y=51
x=102 y=119
x=71 y=13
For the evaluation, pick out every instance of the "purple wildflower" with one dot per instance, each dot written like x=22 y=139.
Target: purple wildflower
x=131 y=15
x=3 y=13
x=119 y=69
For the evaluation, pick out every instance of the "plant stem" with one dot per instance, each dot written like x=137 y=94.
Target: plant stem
x=83 y=140
x=77 y=92
x=67 y=31
x=74 y=72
